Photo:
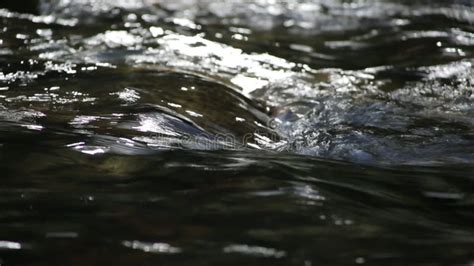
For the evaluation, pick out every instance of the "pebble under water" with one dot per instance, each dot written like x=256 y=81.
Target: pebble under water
x=232 y=132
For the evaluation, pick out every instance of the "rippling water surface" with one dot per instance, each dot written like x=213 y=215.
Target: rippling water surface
x=233 y=132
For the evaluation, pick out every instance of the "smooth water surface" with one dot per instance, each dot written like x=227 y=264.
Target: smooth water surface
x=231 y=132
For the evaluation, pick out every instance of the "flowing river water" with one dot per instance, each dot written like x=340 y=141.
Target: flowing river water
x=232 y=132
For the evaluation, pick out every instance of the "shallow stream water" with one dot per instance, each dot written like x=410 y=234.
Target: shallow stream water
x=231 y=132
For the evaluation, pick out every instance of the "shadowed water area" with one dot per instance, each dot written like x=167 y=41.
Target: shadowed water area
x=231 y=132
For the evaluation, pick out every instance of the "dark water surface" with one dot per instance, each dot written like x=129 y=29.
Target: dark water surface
x=185 y=132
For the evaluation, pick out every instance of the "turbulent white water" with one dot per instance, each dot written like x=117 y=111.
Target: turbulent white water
x=231 y=132
x=385 y=108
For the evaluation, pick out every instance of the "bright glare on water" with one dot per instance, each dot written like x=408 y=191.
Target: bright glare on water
x=231 y=132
